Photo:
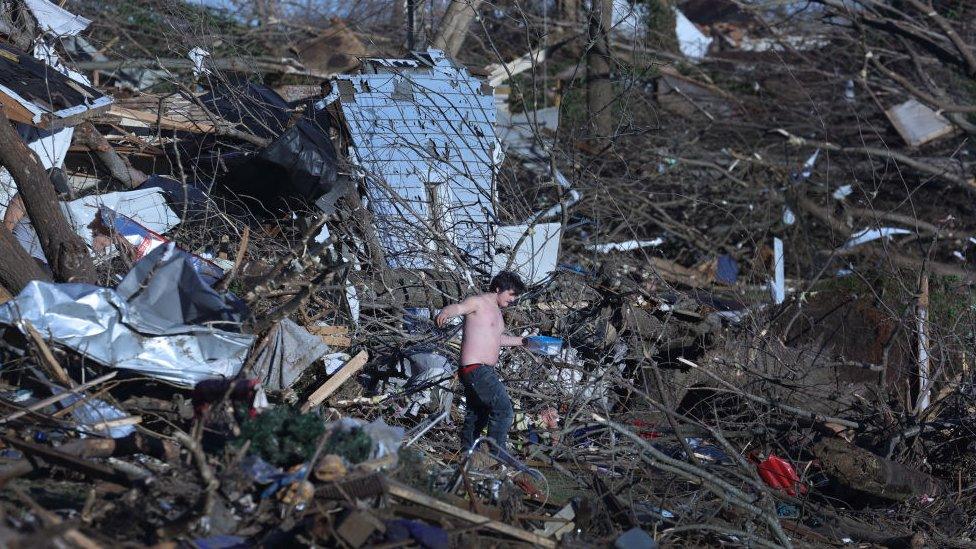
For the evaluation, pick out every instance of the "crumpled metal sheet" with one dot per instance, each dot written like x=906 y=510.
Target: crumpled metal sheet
x=101 y=324
x=423 y=134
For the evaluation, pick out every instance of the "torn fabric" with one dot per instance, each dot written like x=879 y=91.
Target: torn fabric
x=291 y=349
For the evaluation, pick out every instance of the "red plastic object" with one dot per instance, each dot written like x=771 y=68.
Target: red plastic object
x=643 y=431
x=210 y=391
x=779 y=474
x=529 y=488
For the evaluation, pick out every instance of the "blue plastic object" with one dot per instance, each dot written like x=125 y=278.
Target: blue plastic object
x=727 y=270
x=635 y=538
x=544 y=345
x=427 y=536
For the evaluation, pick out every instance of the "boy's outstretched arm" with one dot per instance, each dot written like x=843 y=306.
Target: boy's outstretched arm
x=463 y=308
x=512 y=341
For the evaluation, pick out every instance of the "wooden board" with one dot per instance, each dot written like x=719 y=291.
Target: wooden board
x=336 y=340
x=335 y=336
x=129 y=115
x=349 y=369
x=329 y=330
x=409 y=494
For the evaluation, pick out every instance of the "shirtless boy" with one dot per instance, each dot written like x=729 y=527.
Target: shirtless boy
x=486 y=400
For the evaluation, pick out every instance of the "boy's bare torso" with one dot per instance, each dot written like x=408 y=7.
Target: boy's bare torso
x=482 y=332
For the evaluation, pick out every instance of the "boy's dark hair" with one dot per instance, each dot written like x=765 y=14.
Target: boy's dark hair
x=507 y=280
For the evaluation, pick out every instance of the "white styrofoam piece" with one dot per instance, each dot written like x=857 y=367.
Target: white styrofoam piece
x=625 y=246
x=867 y=235
x=842 y=192
x=789 y=217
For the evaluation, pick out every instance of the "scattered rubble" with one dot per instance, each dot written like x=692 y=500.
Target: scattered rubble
x=217 y=299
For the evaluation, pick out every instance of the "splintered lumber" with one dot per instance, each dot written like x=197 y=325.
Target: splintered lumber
x=57 y=398
x=349 y=369
x=265 y=65
x=329 y=330
x=677 y=274
x=113 y=423
x=87 y=448
x=336 y=340
x=409 y=494
x=132 y=116
x=48 y=361
x=563 y=523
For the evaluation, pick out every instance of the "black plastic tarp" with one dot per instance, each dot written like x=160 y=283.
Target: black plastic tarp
x=299 y=163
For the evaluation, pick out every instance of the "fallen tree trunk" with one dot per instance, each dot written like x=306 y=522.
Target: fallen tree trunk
x=66 y=253
x=17 y=267
x=862 y=471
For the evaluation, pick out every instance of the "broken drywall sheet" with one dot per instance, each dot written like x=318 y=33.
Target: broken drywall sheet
x=918 y=124
x=146 y=206
x=691 y=41
x=50 y=147
x=535 y=256
x=55 y=20
x=525 y=135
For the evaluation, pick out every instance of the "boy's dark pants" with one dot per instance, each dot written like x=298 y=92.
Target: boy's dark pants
x=486 y=404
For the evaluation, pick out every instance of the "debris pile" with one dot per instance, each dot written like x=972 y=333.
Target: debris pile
x=217 y=305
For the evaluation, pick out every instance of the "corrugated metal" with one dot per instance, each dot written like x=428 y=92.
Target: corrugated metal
x=423 y=134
